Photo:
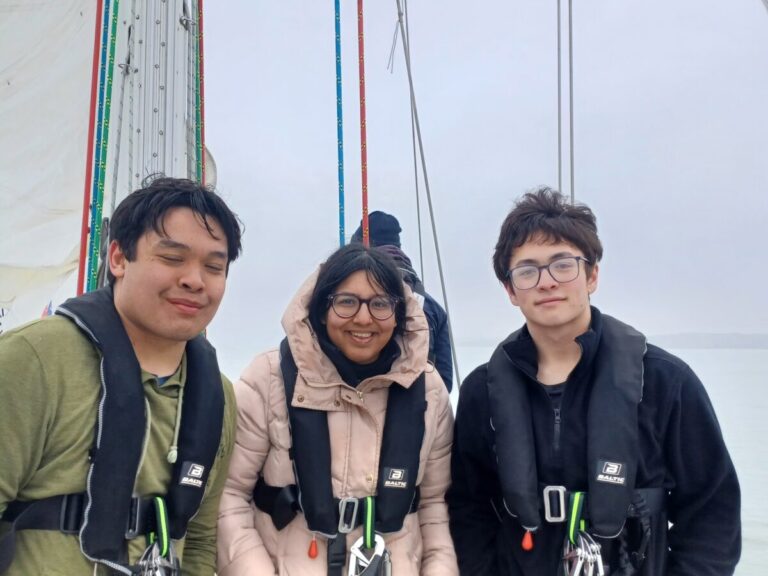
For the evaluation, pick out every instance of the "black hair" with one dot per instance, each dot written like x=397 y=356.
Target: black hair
x=146 y=208
x=546 y=213
x=378 y=266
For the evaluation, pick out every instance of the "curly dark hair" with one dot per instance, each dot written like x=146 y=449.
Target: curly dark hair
x=546 y=213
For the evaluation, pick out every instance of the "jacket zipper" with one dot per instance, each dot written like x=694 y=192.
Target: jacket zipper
x=558 y=421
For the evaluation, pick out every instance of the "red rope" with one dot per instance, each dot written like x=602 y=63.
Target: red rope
x=89 y=155
x=363 y=138
x=202 y=89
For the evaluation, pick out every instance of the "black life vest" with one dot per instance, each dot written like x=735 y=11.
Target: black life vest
x=120 y=429
x=398 y=459
x=612 y=431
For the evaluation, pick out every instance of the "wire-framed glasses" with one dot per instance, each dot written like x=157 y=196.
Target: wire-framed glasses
x=347 y=305
x=563 y=270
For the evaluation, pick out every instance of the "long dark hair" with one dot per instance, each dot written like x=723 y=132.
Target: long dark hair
x=378 y=267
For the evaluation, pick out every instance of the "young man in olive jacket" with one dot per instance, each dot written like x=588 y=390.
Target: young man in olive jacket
x=579 y=446
x=116 y=426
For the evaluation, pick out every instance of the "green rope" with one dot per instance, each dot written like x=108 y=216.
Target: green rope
x=198 y=106
x=93 y=261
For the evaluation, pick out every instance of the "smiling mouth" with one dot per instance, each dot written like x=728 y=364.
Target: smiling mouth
x=362 y=337
x=186 y=306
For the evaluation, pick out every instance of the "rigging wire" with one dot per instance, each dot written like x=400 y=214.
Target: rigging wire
x=88 y=164
x=570 y=87
x=363 y=132
x=406 y=51
x=339 y=124
x=391 y=68
x=413 y=146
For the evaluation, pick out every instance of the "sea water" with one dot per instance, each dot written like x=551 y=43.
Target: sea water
x=734 y=380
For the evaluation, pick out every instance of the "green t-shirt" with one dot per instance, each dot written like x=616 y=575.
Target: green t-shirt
x=49 y=392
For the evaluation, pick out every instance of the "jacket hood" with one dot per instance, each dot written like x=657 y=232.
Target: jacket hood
x=318 y=370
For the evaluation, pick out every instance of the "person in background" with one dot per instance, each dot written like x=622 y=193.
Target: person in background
x=580 y=448
x=384 y=234
x=116 y=426
x=344 y=434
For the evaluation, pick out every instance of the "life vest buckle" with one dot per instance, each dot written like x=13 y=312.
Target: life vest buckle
x=347 y=518
x=71 y=514
x=137 y=518
x=555 y=510
x=378 y=564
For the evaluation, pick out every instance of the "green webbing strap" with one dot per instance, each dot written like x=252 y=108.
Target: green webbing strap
x=370 y=516
x=575 y=521
x=161 y=527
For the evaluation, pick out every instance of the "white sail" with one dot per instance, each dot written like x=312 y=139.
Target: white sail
x=148 y=106
x=45 y=74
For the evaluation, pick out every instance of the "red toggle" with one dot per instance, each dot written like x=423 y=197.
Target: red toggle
x=527 y=543
x=312 y=552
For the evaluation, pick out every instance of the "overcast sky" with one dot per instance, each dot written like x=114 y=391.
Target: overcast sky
x=671 y=139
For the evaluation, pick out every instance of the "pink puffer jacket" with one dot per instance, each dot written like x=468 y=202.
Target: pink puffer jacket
x=248 y=543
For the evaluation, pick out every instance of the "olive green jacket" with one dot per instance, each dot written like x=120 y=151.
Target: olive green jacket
x=49 y=393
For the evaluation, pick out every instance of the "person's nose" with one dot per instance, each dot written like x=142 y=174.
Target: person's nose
x=363 y=315
x=546 y=280
x=192 y=278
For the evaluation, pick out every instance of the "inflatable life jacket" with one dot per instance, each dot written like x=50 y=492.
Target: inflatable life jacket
x=612 y=431
x=398 y=459
x=396 y=492
x=109 y=506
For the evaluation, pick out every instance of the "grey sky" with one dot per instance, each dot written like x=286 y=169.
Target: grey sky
x=671 y=140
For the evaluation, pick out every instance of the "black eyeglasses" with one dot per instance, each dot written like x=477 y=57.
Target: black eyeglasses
x=347 y=305
x=562 y=270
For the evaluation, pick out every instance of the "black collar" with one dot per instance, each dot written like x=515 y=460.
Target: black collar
x=521 y=349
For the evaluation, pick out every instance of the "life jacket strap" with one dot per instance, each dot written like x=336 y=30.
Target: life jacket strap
x=65 y=513
x=555 y=501
x=282 y=505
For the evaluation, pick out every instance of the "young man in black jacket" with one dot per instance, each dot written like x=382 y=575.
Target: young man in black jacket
x=579 y=446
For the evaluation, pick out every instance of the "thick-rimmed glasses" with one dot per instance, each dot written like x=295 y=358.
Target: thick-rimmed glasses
x=562 y=270
x=347 y=305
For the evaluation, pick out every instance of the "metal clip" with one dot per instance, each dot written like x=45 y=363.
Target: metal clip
x=559 y=491
x=573 y=561
x=387 y=561
x=345 y=527
x=596 y=553
x=152 y=563
x=359 y=562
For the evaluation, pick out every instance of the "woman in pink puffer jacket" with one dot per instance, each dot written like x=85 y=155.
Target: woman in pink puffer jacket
x=359 y=344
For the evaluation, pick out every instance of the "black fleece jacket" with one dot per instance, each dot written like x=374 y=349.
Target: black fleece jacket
x=681 y=450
